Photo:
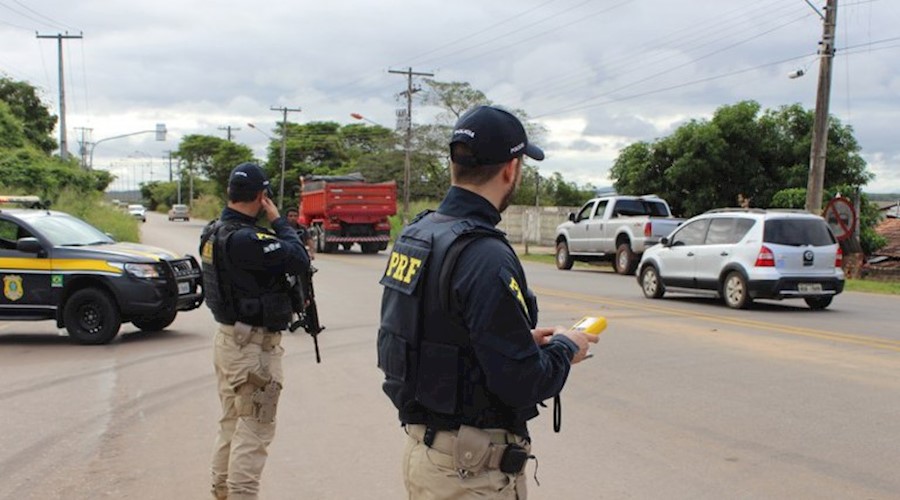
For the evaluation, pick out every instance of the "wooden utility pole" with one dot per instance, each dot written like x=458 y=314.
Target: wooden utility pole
x=406 y=167
x=284 y=110
x=63 y=144
x=816 y=182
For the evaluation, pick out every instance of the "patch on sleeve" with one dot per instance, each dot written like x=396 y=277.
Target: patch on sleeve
x=264 y=236
x=405 y=267
x=511 y=284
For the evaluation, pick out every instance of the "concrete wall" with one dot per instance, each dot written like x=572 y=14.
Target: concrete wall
x=537 y=225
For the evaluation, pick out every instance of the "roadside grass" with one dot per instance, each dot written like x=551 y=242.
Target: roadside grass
x=851 y=285
x=91 y=208
x=206 y=207
x=869 y=286
x=414 y=208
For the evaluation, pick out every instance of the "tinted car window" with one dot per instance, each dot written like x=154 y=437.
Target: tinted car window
x=641 y=207
x=797 y=232
x=691 y=234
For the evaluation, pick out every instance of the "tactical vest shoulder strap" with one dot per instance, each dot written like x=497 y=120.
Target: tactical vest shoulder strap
x=449 y=264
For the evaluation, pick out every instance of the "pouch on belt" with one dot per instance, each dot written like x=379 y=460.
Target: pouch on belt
x=242 y=333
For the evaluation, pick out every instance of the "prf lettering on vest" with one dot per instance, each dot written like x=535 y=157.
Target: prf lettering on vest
x=402 y=267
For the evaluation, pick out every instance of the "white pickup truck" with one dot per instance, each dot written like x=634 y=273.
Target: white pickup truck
x=616 y=228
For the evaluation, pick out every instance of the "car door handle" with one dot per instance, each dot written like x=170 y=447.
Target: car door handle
x=724 y=254
x=690 y=254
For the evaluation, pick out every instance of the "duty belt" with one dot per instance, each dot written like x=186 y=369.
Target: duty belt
x=501 y=444
x=260 y=335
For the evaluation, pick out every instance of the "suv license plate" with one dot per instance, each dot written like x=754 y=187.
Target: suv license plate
x=185 y=287
x=809 y=288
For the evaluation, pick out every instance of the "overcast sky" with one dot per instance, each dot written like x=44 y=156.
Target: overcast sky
x=598 y=74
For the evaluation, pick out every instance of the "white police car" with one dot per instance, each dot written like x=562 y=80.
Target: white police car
x=747 y=254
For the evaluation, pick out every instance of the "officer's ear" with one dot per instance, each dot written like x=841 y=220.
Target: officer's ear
x=510 y=169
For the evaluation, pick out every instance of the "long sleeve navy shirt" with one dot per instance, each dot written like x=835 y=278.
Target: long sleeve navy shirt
x=257 y=250
x=489 y=284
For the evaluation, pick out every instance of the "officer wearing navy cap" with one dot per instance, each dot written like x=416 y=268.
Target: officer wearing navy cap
x=244 y=279
x=464 y=362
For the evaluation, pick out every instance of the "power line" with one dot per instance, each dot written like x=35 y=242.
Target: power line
x=64 y=25
x=29 y=16
x=408 y=93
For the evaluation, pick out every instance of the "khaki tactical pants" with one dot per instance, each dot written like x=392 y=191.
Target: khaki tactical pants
x=428 y=474
x=249 y=379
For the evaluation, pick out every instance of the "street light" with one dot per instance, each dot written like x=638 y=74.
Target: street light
x=361 y=117
x=160 y=132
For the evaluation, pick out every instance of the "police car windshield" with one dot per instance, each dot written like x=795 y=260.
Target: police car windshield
x=65 y=230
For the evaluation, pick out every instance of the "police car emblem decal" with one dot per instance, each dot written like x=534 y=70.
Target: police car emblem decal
x=12 y=287
x=56 y=280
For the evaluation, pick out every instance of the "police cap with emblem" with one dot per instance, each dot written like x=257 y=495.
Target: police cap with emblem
x=248 y=178
x=493 y=135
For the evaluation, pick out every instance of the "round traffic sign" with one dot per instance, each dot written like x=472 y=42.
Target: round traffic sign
x=841 y=217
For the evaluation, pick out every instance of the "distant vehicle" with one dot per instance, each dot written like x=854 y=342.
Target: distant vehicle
x=180 y=212
x=344 y=210
x=138 y=212
x=747 y=254
x=57 y=267
x=613 y=228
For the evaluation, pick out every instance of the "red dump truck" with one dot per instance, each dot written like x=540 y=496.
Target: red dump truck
x=344 y=210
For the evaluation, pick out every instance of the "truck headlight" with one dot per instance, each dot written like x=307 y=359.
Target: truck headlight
x=139 y=270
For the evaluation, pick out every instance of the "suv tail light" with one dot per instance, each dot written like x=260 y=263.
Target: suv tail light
x=839 y=258
x=765 y=258
x=648 y=229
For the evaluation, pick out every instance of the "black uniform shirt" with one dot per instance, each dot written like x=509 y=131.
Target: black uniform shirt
x=254 y=250
x=489 y=284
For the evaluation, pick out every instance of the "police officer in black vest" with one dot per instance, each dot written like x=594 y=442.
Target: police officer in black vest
x=464 y=362
x=244 y=275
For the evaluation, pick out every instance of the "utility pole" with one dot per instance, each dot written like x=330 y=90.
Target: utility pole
x=228 y=128
x=169 y=154
x=406 y=167
x=816 y=182
x=82 y=145
x=63 y=144
x=284 y=110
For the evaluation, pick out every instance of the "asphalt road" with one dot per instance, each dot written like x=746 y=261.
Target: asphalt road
x=684 y=399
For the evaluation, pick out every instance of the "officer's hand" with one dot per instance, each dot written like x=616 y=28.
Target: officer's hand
x=271 y=210
x=542 y=335
x=582 y=340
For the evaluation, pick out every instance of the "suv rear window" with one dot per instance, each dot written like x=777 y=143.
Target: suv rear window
x=797 y=232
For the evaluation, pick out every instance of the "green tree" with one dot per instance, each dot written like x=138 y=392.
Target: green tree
x=213 y=157
x=26 y=105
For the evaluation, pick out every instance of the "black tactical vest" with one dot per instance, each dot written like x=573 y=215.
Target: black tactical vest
x=424 y=349
x=232 y=293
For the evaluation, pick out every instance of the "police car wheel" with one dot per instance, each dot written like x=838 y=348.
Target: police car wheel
x=91 y=316
x=155 y=323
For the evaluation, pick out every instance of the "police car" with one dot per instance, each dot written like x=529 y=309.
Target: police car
x=54 y=266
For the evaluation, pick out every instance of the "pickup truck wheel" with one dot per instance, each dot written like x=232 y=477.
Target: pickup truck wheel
x=651 y=284
x=818 y=303
x=91 y=316
x=625 y=259
x=564 y=260
x=735 y=292
x=155 y=323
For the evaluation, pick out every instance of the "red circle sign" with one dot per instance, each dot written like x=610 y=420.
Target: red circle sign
x=841 y=217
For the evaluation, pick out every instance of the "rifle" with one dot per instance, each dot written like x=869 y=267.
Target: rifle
x=303 y=303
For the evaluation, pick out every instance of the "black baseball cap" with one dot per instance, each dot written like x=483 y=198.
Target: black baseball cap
x=248 y=178
x=493 y=135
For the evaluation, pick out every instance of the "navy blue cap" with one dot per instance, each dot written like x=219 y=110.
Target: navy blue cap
x=494 y=136
x=248 y=178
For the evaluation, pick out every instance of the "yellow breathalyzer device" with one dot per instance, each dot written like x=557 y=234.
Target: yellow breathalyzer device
x=592 y=325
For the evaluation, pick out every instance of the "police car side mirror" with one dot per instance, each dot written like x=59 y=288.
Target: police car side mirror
x=571 y=216
x=664 y=241
x=29 y=245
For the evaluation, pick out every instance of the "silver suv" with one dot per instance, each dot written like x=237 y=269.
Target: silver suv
x=743 y=255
